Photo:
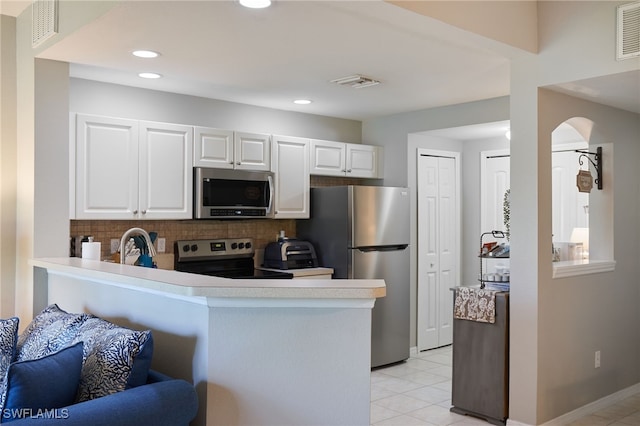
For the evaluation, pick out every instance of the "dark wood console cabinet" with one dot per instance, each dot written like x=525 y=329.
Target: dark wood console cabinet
x=480 y=381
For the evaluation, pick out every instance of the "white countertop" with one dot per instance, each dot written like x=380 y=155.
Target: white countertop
x=185 y=284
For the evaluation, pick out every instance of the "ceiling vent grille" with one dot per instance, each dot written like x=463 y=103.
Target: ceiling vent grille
x=356 y=81
x=44 y=20
x=628 y=43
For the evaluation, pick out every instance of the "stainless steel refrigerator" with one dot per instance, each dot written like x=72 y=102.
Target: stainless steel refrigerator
x=363 y=232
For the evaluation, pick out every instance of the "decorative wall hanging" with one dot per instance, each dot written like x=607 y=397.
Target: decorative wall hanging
x=584 y=180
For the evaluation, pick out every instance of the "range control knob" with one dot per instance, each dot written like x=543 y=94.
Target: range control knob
x=247 y=244
x=234 y=246
x=241 y=245
x=185 y=247
x=194 y=247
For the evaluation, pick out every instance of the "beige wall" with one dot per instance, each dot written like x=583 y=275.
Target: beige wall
x=599 y=312
x=7 y=165
x=512 y=22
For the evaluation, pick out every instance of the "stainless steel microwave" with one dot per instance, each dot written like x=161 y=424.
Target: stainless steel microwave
x=232 y=194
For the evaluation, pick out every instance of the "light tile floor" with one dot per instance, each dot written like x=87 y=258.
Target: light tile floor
x=418 y=392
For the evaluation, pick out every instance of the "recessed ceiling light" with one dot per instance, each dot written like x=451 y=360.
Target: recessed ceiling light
x=149 y=75
x=302 y=101
x=145 y=53
x=256 y=4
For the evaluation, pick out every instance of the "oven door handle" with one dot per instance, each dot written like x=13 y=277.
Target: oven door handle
x=271 y=191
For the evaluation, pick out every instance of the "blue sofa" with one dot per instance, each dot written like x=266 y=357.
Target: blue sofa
x=78 y=369
x=163 y=401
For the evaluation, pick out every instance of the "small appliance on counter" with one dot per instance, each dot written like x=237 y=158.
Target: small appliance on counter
x=289 y=253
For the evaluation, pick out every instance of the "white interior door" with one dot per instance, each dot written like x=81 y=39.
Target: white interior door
x=495 y=175
x=494 y=180
x=438 y=245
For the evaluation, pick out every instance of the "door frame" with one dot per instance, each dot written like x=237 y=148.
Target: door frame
x=421 y=305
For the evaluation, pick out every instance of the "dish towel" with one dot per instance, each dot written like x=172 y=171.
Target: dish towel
x=475 y=304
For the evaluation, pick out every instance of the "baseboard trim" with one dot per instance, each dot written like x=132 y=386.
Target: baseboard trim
x=413 y=351
x=585 y=410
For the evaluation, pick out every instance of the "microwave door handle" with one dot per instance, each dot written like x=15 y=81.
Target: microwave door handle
x=271 y=189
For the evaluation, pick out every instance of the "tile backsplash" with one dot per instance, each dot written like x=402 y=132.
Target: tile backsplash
x=262 y=231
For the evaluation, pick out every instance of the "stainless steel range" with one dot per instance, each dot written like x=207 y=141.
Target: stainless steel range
x=228 y=258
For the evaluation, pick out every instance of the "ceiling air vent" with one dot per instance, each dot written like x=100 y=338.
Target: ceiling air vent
x=356 y=81
x=44 y=20
x=628 y=43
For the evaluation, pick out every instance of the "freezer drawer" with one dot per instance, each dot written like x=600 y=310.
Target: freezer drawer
x=390 y=316
x=480 y=381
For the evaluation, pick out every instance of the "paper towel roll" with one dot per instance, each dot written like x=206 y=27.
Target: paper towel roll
x=91 y=251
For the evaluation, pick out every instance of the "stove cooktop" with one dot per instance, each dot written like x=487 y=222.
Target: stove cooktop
x=227 y=258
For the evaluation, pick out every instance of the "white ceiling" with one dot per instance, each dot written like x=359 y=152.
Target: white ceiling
x=269 y=57
x=220 y=50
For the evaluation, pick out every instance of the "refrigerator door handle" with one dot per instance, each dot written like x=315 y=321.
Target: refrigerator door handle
x=395 y=247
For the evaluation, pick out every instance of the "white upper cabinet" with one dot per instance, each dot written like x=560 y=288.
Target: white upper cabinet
x=331 y=158
x=226 y=149
x=291 y=167
x=166 y=171
x=328 y=158
x=362 y=160
x=213 y=148
x=126 y=169
x=106 y=168
x=252 y=151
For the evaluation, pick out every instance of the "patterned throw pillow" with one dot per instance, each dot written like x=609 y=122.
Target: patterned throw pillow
x=115 y=358
x=50 y=331
x=8 y=340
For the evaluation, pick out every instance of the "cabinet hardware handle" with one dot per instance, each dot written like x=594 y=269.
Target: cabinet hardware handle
x=135 y=212
x=144 y=212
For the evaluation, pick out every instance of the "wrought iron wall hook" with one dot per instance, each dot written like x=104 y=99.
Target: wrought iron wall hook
x=597 y=164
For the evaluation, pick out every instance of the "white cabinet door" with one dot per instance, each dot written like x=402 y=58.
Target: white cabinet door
x=165 y=170
x=362 y=161
x=328 y=158
x=126 y=169
x=291 y=167
x=252 y=151
x=106 y=167
x=213 y=148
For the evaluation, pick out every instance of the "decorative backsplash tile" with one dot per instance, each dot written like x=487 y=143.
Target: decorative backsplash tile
x=262 y=231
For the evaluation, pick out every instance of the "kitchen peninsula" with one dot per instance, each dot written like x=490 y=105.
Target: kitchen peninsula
x=287 y=352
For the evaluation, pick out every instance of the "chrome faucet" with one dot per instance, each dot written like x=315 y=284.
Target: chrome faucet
x=128 y=234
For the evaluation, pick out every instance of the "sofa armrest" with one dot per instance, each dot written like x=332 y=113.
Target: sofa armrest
x=167 y=402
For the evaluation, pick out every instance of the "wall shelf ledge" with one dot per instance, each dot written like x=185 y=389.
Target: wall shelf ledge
x=574 y=268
